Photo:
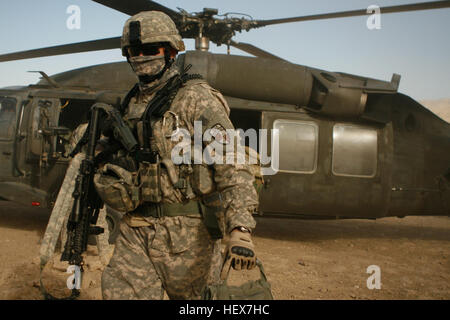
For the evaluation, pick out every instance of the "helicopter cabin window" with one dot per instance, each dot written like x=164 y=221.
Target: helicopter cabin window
x=7 y=117
x=354 y=151
x=73 y=113
x=298 y=145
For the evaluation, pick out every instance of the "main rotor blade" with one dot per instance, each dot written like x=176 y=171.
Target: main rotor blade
x=131 y=7
x=362 y=12
x=249 y=48
x=94 y=45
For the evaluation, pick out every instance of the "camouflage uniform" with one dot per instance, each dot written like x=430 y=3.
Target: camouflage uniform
x=176 y=253
x=75 y=137
x=56 y=226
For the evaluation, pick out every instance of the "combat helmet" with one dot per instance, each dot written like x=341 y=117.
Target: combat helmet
x=150 y=27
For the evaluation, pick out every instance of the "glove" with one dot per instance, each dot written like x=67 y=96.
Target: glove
x=239 y=253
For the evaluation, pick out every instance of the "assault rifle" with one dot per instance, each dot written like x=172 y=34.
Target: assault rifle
x=87 y=203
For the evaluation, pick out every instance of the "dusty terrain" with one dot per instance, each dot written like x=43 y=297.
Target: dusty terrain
x=303 y=259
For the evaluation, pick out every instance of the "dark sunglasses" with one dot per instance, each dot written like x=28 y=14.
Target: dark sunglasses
x=146 y=49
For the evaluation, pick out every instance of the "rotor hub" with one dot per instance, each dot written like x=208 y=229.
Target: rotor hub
x=202 y=43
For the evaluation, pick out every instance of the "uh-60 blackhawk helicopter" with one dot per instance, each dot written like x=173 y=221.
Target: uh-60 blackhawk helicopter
x=349 y=146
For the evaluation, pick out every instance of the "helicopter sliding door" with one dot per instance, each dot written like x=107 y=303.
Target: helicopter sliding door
x=8 y=120
x=326 y=169
x=44 y=116
x=45 y=166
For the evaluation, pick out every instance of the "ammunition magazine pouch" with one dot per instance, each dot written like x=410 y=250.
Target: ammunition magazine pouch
x=117 y=188
x=150 y=175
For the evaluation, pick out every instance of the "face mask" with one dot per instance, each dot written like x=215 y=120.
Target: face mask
x=147 y=65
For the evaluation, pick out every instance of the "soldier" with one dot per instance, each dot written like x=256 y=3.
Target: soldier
x=104 y=249
x=169 y=237
x=56 y=227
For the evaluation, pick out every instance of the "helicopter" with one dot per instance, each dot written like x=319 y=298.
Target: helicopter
x=350 y=147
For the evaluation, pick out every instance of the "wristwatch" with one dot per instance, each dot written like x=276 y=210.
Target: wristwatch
x=244 y=229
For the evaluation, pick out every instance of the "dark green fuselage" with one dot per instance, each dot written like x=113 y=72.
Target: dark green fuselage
x=350 y=147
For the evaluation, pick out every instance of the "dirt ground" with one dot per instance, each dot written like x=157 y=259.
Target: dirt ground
x=303 y=259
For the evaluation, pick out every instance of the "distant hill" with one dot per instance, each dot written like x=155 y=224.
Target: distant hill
x=441 y=107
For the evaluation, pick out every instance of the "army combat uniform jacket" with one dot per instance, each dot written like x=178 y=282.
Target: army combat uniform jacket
x=175 y=252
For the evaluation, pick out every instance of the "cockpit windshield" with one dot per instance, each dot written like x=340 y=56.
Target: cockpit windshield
x=7 y=117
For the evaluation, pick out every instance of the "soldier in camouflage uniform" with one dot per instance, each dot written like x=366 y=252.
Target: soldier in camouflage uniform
x=164 y=241
x=65 y=193
x=57 y=224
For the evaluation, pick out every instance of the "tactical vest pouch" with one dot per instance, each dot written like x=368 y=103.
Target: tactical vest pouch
x=252 y=290
x=116 y=186
x=150 y=174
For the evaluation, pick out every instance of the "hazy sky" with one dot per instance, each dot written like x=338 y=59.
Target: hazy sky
x=414 y=44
